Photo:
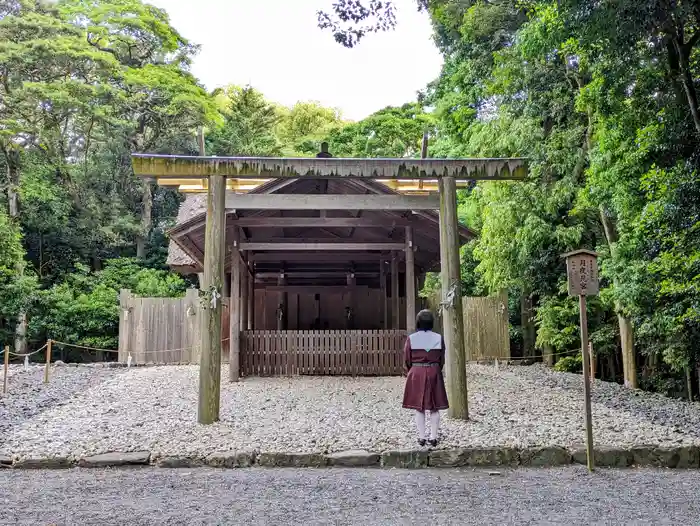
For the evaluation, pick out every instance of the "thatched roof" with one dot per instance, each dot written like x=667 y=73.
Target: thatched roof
x=192 y=206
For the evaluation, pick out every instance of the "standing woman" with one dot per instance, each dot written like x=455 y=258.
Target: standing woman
x=424 y=355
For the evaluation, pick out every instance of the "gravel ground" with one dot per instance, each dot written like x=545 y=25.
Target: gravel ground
x=88 y=411
x=289 y=497
x=28 y=396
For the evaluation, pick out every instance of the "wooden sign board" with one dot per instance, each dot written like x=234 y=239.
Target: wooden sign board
x=582 y=272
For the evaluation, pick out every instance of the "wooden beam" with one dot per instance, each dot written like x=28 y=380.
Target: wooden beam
x=303 y=257
x=189 y=248
x=190 y=167
x=319 y=222
x=332 y=202
x=453 y=324
x=318 y=247
x=210 y=344
x=315 y=274
x=410 y=282
x=395 y=314
x=309 y=289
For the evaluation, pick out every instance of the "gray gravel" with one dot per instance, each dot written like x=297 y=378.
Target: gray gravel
x=154 y=409
x=28 y=396
x=345 y=497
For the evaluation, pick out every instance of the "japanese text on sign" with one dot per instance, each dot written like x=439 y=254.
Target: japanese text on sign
x=582 y=274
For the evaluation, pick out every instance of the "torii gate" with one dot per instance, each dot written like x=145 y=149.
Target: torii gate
x=431 y=174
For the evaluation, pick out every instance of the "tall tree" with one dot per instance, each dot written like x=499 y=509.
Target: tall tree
x=52 y=86
x=248 y=127
x=161 y=100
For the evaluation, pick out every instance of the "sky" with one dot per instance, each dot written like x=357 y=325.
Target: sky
x=276 y=47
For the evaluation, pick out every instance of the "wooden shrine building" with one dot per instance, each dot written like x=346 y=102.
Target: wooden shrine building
x=322 y=258
x=339 y=260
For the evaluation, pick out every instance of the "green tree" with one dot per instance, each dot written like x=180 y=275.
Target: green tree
x=391 y=132
x=248 y=127
x=84 y=309
x=303 y=127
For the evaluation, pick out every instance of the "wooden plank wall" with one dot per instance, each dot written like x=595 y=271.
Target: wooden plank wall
x=163 y=330
x=485 y=326
x=332 y=352
x=302 y=310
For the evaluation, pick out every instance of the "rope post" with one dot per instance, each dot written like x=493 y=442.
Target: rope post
x=5 y=369
x=48 y=361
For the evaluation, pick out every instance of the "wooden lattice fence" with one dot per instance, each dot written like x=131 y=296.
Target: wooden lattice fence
x=357 y=353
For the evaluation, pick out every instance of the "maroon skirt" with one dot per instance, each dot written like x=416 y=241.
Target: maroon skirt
x=425 y=389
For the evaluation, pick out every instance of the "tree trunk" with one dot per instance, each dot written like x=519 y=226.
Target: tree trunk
x=629 y=364
x=612 y=368
x=13 y=170
x=548 y=355
x=146 y=220
x=626 y=328
x=688 y=82
x=527 y=322
x=12 y=160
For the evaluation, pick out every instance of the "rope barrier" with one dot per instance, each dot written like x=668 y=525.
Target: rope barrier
x=97 y=349
x=27 y=355
x=87 y=348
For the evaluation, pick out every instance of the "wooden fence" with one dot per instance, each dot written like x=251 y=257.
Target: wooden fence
x=167 y=330
x=357 y=353
x=485 y=326
x=163 y=330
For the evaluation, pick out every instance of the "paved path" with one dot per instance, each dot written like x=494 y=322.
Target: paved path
x=148 y=496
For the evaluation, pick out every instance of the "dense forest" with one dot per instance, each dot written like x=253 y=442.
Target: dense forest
x=601 y=96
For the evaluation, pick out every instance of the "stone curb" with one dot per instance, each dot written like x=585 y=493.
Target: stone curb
x=685 y=457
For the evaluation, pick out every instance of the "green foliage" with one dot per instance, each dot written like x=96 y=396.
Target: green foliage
x=602 y=99
x=391 y=132
x=17 y=289
x=249 y=124
x=84 y=309
x=303 y=127
x=570 y=364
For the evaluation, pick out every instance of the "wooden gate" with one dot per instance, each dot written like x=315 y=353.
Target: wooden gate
x=357 y=353
x=485 y=326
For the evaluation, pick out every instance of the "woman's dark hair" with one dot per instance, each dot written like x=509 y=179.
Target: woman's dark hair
x=425 y=320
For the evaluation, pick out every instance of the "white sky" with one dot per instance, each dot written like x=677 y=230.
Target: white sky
x=276 y=47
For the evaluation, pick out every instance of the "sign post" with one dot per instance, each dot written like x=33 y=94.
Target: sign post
x=582 y=277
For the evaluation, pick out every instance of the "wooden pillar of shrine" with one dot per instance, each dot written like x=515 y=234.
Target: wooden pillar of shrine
x=235 y=309
x=245 y=277
x=251 y=300
x=410 y=282
x=453 y=324
x=395 y=302
x=350 y=306
x=385 y=297
x=282 y=307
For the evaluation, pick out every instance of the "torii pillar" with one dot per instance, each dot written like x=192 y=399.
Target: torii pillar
x=212 y=303
x=453 y=324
